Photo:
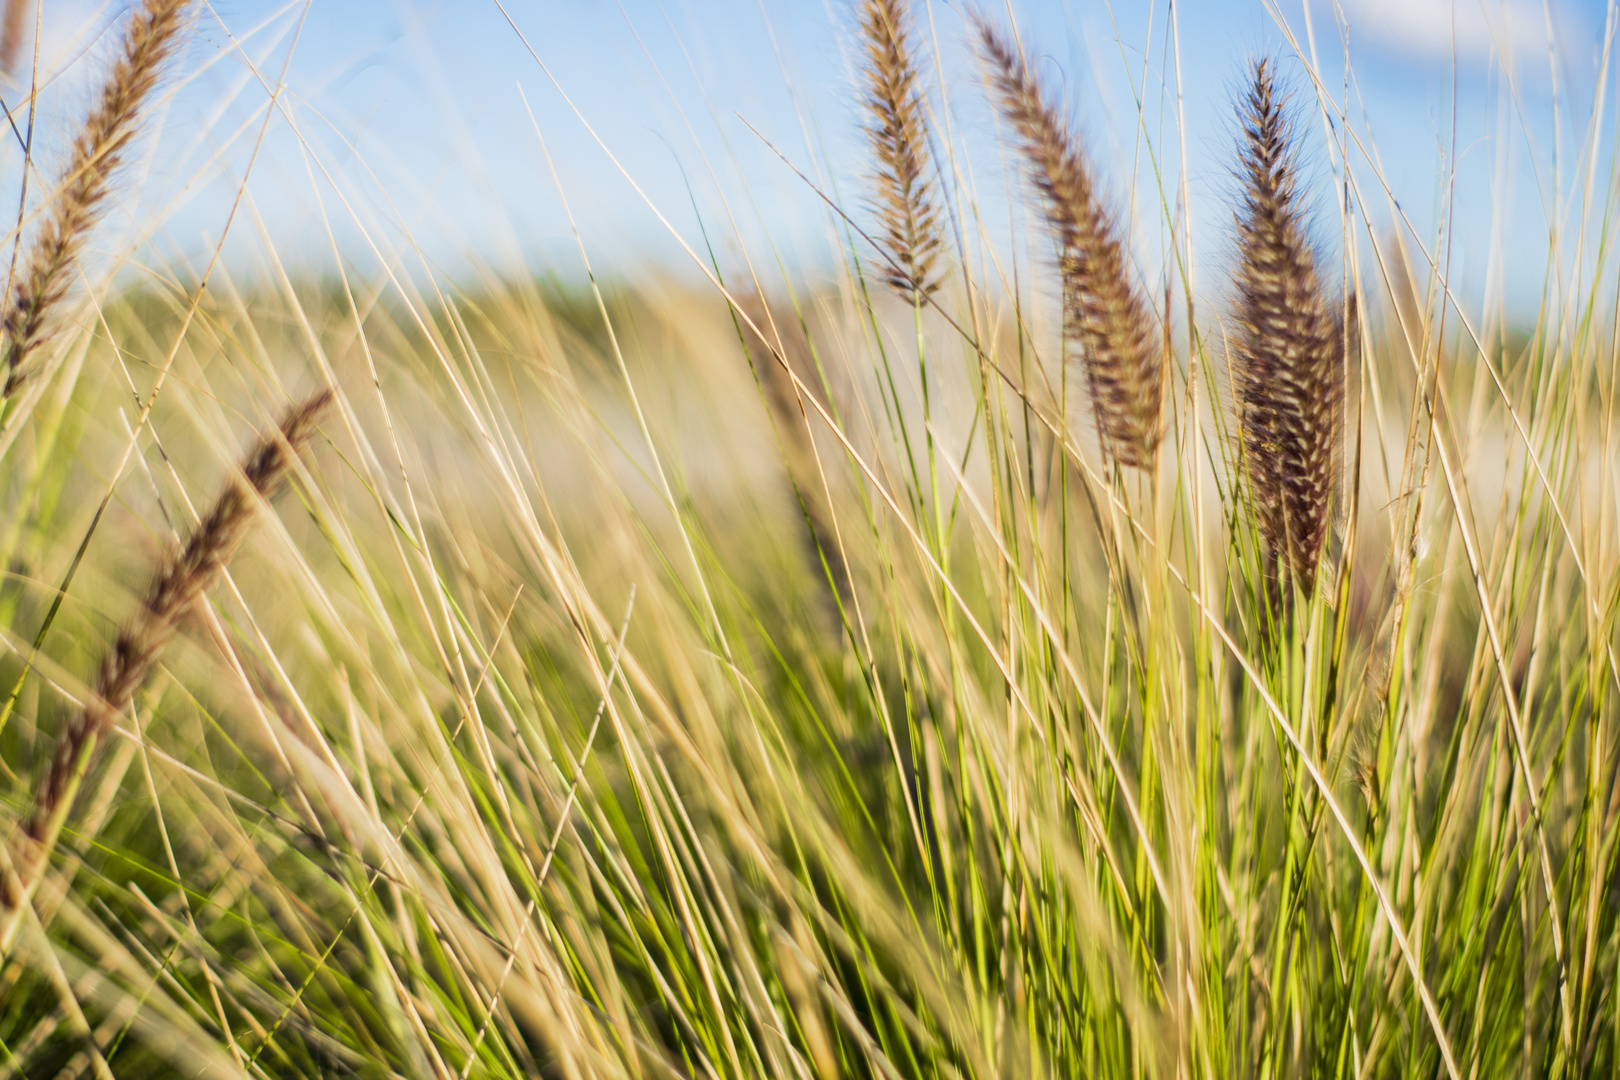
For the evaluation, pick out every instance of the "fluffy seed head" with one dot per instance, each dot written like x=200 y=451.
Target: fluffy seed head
x=172 y=592
x=149 y=39
x=899 y=138
x=1104 y=315
x=1290 y=343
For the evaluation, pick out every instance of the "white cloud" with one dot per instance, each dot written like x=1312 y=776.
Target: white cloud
x=1468 y=29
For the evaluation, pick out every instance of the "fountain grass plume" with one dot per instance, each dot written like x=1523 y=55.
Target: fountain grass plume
x=1290 y=343
x=150 y=38
x=127 y=664
x=898 y=132
x=1104 y=316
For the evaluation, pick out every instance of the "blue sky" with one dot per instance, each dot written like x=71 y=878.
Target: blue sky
x=405 y=130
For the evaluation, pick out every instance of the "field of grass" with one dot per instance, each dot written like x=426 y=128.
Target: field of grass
x=985 y=662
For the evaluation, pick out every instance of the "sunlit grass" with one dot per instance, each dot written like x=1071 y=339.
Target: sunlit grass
x=632 y=684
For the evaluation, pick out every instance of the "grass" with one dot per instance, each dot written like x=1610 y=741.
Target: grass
x=757 y=680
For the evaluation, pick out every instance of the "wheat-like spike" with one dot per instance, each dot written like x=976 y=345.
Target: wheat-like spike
x=149 y=39
x=132 y=655
x=1290 y=343
x=899 y=137
x=1103 y=314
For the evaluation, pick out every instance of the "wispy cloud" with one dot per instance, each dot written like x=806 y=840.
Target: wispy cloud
x=1470 y=30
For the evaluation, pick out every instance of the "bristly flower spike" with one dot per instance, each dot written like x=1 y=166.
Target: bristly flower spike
x=126 y=665
x=1290 y=343
x=901 y=184
x=150 y=38
x=1104 y=315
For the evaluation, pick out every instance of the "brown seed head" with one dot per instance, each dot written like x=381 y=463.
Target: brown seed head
x=1104 y=315
x=172 y=592
x=899 y=137
x=149 y=39
x=1290 y=344
x=13 y=28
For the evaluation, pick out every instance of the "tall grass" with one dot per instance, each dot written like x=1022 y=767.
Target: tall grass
x=766 y=681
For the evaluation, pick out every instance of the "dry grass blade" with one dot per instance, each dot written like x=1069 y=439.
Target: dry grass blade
x=149 y=40
x=899 y=138
x=1104 y=316
x=1290 y=348
x=130 y=660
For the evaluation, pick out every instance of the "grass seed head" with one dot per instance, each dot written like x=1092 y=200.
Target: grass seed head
x=13 y=28
x=1290 y=342
x=1104 y=316
x=175 y=588
x=783 y=346
x=150 y=38
x=899 y=136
